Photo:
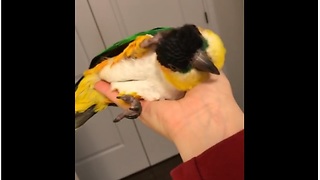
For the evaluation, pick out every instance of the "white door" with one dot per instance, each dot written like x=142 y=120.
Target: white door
x=117 y=19
x=103 y=150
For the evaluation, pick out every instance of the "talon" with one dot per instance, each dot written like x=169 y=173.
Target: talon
x=132 y=116
x=133 y=112
x=134 y=108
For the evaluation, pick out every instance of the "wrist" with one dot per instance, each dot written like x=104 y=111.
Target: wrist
x=208 y=127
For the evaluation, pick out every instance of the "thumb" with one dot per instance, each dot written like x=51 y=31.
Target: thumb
x=104 y=88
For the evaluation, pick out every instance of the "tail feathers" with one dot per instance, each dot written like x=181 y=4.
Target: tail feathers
x=81 y=118
x=88 y=101
x=77 y=83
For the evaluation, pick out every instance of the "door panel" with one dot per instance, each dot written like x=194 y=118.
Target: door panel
x=82 y=59
x=103 y=150
x=193 y=12
x=140 y=15
x=107 y=20
x=87 y=29
x=157 y=147
x=99 y=135
x=117 y=19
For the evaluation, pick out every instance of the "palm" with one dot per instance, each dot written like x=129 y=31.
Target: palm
x=168 y=117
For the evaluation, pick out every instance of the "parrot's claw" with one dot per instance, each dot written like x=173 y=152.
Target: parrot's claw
x=133 y=112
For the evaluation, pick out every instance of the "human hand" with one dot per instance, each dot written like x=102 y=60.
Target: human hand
x=206 y=115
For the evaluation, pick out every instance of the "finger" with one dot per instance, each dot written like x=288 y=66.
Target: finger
x=105 y=89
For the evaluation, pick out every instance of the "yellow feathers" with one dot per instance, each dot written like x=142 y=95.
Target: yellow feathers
x=97 y=68
x=186 y=81
x=86 y=96
x=133 y=49
x=216 y=49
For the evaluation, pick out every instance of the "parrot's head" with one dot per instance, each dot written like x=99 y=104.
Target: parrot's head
x=188 y=54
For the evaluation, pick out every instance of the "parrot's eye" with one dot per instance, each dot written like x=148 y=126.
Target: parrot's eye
x=173 y=68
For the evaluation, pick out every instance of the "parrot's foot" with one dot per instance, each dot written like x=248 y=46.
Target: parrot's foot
x=133 y=112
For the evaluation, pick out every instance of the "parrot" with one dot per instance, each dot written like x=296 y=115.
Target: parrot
x=162 y=63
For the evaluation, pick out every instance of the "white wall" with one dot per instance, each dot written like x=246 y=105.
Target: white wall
x=230 y=21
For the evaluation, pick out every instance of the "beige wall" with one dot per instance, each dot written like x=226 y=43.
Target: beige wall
x=230 y=21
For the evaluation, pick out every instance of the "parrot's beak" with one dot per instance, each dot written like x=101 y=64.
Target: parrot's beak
x=202 y=62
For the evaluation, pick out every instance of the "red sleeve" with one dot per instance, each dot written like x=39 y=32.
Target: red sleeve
x=223 y=161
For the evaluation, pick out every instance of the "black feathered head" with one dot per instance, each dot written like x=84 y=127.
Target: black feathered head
x=183 y=48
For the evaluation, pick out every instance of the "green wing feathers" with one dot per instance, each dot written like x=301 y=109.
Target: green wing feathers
x=133 y=37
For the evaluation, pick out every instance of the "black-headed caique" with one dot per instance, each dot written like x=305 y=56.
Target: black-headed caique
x=161 y=63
